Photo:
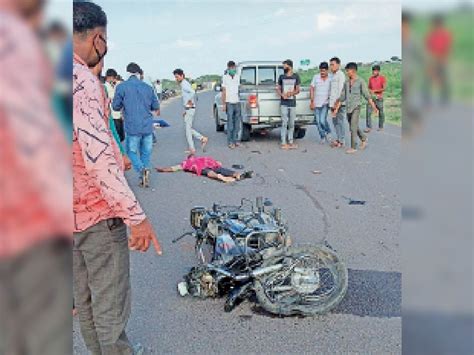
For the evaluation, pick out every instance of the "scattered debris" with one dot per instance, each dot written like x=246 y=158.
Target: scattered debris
x=256 y=151
x=237 y=166
x=354 y=202
x=317 y=172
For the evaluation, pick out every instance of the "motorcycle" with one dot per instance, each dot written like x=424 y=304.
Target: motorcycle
x=246 y=252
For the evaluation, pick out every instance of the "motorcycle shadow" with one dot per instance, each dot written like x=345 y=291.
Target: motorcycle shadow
x=370 y=293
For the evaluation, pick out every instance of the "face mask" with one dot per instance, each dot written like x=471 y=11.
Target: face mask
x=100 y=56
x=232 y=72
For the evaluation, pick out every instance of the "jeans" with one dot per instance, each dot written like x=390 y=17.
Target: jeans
x=353 y=118
x=102 y=289
x=189 y=130
x=321 y=118
x=288 y=118
x=339 y=122
x=139 y=150
x=379 y=105
x=233 y=122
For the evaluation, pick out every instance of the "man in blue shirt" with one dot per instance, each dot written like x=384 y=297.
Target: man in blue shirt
x=138 y=101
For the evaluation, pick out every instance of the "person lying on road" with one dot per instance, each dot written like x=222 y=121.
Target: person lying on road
x=207 y=166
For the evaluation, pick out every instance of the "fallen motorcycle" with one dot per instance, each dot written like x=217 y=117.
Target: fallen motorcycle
x=247 y=251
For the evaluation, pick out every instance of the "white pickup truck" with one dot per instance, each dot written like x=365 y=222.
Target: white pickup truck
x=259 y=101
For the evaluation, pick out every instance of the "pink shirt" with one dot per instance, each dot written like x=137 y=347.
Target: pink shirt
x=100 y=190
x=35 y=171
x=197 y=164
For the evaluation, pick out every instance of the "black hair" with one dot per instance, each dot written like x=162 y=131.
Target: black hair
x=134 y=68
x=351 y=65
x=376 y=67
x=288 y=62
x=230 y=63
x=179 y=72
x=111 y=72
x=323 y=65
x=438 y=19
x=407 y=17
x=335 y=59
x=86 y=16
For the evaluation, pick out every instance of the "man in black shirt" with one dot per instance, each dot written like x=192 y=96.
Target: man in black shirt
x=288 y=87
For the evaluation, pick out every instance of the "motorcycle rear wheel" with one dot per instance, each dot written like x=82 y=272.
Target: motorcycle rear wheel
x=312 y=281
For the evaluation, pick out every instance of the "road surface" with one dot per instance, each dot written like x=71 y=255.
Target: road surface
x=316 y=206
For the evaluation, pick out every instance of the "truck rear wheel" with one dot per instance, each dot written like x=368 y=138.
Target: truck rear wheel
x=300 y=132
x=219 y=126
x=246 y=129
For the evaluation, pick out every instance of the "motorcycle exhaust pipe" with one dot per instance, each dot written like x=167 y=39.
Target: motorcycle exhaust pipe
x=266 y=270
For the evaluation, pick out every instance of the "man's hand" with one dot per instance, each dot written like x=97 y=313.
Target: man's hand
x=141 y=236
x=127 y=163
x=224 y=107
x=311 y=105
x=158 y=113
x=376 y=110
x=334 y=111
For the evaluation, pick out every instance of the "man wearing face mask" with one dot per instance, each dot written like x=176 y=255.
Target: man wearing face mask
x=231 y=103
x=103 y=203
x=287 y=89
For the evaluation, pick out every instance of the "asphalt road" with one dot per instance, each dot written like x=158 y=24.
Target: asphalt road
x=316 y=206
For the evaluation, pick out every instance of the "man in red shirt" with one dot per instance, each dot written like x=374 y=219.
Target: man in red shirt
x=438 y=44
x=377 y=86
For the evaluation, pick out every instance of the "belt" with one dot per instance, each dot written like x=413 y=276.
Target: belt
x=189 y=108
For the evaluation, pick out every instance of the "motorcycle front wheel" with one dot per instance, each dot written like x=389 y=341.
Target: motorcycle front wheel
x=310 y=280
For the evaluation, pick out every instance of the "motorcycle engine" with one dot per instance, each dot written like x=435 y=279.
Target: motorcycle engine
x=201 y=283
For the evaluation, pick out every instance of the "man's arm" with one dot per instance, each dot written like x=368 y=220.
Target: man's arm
x=279 y=89
x=366 y=95
x=117 y=103
x=155 y=104
x=311 y=96
x=92 y=135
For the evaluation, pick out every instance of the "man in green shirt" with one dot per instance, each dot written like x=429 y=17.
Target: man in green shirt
x=352 y=92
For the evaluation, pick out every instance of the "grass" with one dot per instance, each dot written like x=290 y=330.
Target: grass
x=392 y=96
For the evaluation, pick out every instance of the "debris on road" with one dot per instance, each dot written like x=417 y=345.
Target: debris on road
x=317 y=172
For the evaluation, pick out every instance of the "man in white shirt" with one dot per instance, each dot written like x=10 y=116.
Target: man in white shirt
x=319 y=93
x=231 y=103
x=110 y=85
x=158 y=89
x=337 y=83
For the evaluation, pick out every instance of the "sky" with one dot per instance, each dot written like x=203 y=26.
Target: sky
x=201 y=36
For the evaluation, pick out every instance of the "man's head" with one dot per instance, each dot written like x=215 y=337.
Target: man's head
x=158 y=81
x=231 y=69
x=287 y=66
x=323 y=69
x=90 y=32
x=134 y=69
x=56 y=32
x=351 y=69
x=437 y=20
x=30 y=11
x=376 y=70
x=335 y=64
x=110 y=75
x=178 y=75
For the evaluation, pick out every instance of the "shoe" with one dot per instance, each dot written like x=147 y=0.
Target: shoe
x=351 y=151
x=146 y=177
x=138 y=349
x=367 y=130
x=292 y=146
x=284 y=146
x=380 y=129
x=364 y=144
x=246 y=175
x=231 y=146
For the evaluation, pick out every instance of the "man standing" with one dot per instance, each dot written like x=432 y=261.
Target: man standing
x=158 y=89
x=102 y=201
x=138 y=100
x=354 y=88
x=287 y=89
x=110 y=85
x=338 y=118
x=231 y=103
x=319 y=93
x=189 y=103
x=377 y=86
